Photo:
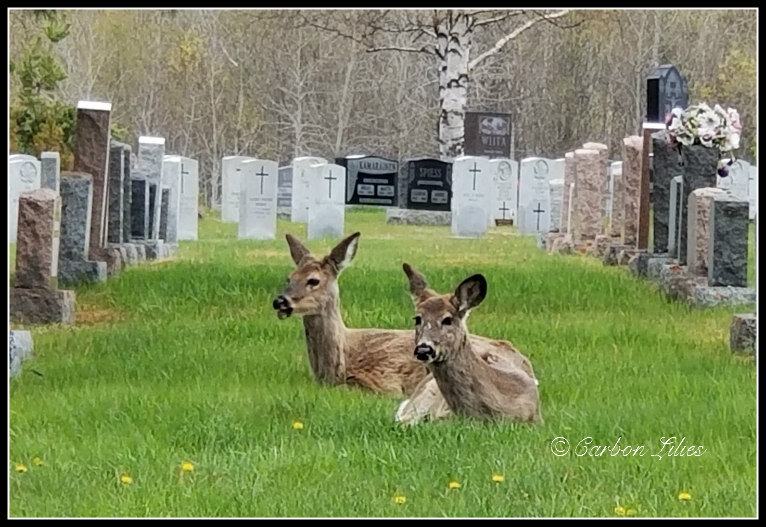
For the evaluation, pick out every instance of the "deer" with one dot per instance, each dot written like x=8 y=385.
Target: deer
x=470 y=386
x=378 y=360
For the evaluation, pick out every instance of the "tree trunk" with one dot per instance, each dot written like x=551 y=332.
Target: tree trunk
x=453 y=48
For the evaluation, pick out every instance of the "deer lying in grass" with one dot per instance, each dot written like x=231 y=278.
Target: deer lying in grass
x=470 y=386
x=380 y=360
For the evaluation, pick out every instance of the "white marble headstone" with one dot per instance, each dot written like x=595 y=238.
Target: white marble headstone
x=258 y=200
x=301 y=184
x=23 y=176
x=752 y=191
x=473 y=196
x=506 y=178
x=534 y=178
x=151 y=151
x=188 y=205
x=171 y=177
x=615 y=166
x=285 y=192
x=231 y=172
x=327 y=200
x=535 y=216
x=737 y=183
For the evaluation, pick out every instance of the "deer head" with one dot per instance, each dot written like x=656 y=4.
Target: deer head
x=313 y=285
x=440 y=330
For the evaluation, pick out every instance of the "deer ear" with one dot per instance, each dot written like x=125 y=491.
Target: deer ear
x=418 y=285
x=341 y=255
x=297 y=249
x=470 y=293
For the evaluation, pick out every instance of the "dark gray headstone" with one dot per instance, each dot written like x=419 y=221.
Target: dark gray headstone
x=700 y=166
x=139 y=207
x=154 y=210
x=674 y=214
x=115 y=193
x=429 y=184
x=370 y=180
x=74 y=246
x=50 y=170
x=164 y=210
x=727 y=246
x=127 y=194
x=666 y=167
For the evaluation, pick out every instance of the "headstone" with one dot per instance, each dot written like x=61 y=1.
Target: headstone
x=556 y=202
x=116 y=191
x=91 y=156
x=674 y=215
x=487 y=134
x=23 y=176
x=164 y=212
x=534 y=216
x=370 y=180
x=588 y=205
x=700 y=209
x=752 y=191
x=727 y=243
x=666 y=167
x=50 y=170
x=743 y=334
x=20 y=348
x=644 y=216
x=534 y=174
x=603 y=151
x=231 y=173
x=700 y=166
x=284 y=192
x=570 y=200
x=615 y=202
x=139 y=213
x=188 y=203
x=258 y=200
x=631 y=188
x=151 y=151
x=569 y=179
x=429 y=184
x=301 y=187
x=505 y=176
x=34 y=298
x=737 y=182
x=171 y=176
x=74 y=265
x=665 y=89
x=127 y=193
x=327 y=208
x=473 y=191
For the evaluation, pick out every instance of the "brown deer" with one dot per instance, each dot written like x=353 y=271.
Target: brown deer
x=469 y=385
x=380 y=360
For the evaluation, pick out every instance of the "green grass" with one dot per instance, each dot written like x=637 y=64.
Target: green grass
x=185 y=360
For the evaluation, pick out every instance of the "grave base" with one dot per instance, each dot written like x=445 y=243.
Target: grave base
x=131 y=254
x=72 y=272
x=503 y=222
x=599 y=246
x=111 y=256
x=562 y=245
x=612 y=254
x=418 y=217
x=678 y=284
x=169 y=250
x=41 y=306
x=743 y=334
x=153 y=249
x=642 y=262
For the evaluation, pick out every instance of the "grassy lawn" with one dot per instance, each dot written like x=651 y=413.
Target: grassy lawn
x=185 y=360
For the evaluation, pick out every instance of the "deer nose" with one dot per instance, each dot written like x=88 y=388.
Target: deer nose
x=424 y=352
x=280 y=302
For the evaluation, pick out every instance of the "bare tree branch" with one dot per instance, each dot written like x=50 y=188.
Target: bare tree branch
x=513 y=34
x=499 y=18
x=423 y=49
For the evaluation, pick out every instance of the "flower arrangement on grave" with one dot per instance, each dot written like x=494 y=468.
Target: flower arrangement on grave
x=713 y=128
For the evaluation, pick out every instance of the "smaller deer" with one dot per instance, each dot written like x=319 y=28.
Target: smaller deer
x=470 y=386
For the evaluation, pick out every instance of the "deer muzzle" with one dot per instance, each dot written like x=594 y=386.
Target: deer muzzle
x=282 y=306
x=425 y=353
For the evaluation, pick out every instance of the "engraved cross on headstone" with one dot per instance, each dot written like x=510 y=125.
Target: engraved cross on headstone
x=330 y=179
x=262 y=175
x=474 y=170
x=183 y=173
x=538 y=211
x=504 y=209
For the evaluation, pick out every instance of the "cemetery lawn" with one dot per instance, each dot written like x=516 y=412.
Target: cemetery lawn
x=185 y=361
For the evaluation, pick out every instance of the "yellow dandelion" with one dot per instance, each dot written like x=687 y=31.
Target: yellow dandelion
x=630 y=512
x=21 y=468
x=684 y=496
x=187 y=466
x=37 y=462
x=498 y=478
x=297 y=425
x=619 y=510
x=453 y=485
x=399 y=499
x=127 y=480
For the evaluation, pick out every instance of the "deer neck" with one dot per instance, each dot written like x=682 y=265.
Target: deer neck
x=460 y=379
x=326 y=343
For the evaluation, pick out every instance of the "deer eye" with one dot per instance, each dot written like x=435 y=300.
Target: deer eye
x=313 y=282
x=418 y=320
x=447 y=321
